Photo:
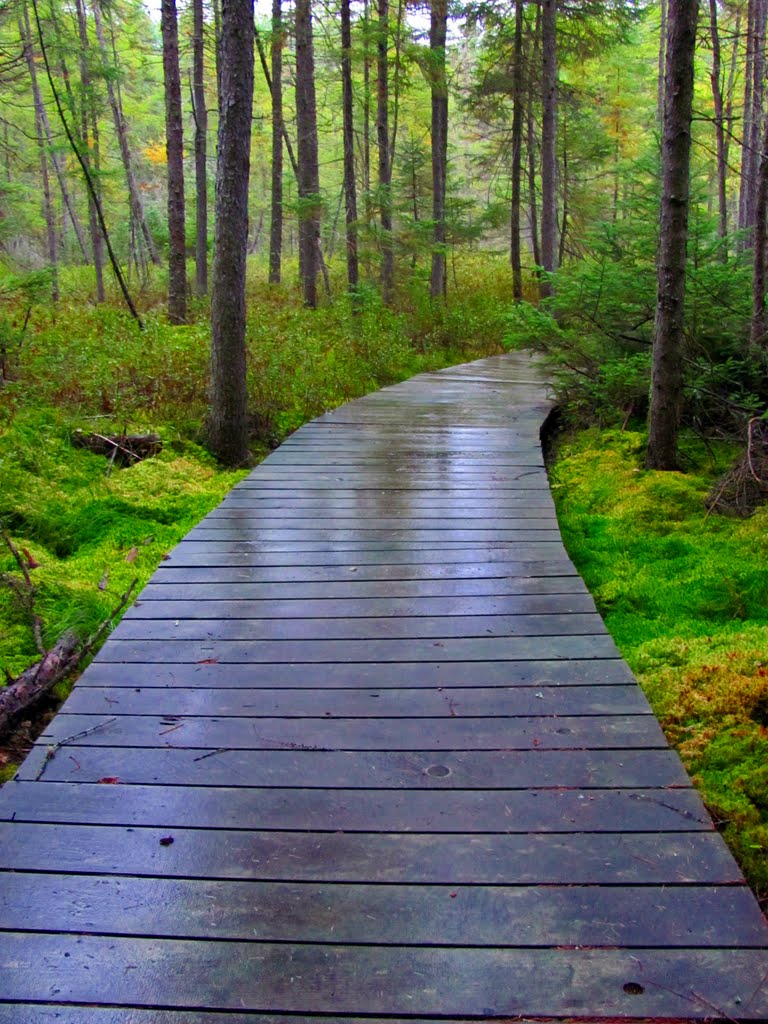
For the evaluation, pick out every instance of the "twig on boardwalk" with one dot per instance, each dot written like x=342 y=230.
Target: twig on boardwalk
x=50 y=751
x=218 y=750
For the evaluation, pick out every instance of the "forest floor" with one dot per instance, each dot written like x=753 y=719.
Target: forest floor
x=684 y=593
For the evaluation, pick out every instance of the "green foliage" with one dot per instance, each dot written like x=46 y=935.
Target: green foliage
x=685 y=595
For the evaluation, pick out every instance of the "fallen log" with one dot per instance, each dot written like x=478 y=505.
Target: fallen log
x=121 y=449
x=35 y=681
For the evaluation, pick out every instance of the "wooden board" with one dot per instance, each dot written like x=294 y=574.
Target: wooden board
x=364 y=753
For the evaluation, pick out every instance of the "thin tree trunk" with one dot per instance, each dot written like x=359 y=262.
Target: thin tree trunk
x=531 y=141
x=756 y=124
x=367 y=112
x=717 y=97
x=121 y=129
x=309 y=177
x=745 y=182
x=50 y=225
x=759 y=327
x=437 y=38
x=564 y=224
x=88 y=128
x=201 y=151
x=350 y=189
x=276 y=90
x=174 y=142
x=661 y=66
x=549 y=142
x=382 y=134
x=228 y=417
x=518 y=101
x=667 y=376
x=396 y=84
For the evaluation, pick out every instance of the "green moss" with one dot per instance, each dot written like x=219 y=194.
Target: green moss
x=685 y=595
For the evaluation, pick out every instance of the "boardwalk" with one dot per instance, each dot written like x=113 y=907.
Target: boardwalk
x=363 y=749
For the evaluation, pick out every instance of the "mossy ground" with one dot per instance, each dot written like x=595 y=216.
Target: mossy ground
x=685 y=596
x=82 y=366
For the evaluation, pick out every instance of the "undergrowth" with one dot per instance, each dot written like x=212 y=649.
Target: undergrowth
x=685 y=596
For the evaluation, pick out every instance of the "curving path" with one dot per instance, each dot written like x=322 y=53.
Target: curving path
x=363 y=749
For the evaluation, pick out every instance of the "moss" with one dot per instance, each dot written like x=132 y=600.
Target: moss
x=685 y=595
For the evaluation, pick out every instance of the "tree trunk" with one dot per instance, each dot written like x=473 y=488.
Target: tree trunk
x=437 y=37
x=717 y=97
x=661 y=66
x=201 y=151
x=396 y=83
x=350 y=190
x=121 y=129
x=531 y=144
x=276 y=89
x=382 y=134
x=667 y=378
x=756 y=122
x=228 y=418
x=548 y=142
x=367 y=112
x=309 y=175
x=174 y=143
x=745 y=182
x=87 y=127
x=518 y=101
x=50 y=226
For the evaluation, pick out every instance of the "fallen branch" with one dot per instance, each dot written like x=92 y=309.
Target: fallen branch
x=123 y=449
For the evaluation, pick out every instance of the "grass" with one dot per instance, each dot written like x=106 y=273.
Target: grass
x=84 y=366
x=685 y=596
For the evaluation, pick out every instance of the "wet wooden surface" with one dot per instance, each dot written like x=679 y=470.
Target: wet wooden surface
x=364 y=751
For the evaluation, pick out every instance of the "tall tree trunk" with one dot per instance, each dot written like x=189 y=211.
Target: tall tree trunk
x=745 y=182
x=759 y=327
x=88 y=130
x=48 y=216
x=201 y=151
x=367 y=111
x=717 y=97
x=548 y=141
x=228 y=417
x=437 y=36
x=566 y=184
x=276 y=89
x=350 y=190
x=121 y=130
x=396 y=83
x=382 y=134
x=174 y=144
x=518 y=102
x=661 y=66
x=534 y=38
x=667 y=377
x=309 y=174
x=756 y=122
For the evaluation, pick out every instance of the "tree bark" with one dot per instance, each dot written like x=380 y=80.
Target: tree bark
x=382 y=135
x=745 y=181
x=717 y=97
x=759 y=326
x=548 y=142
x=661 y=66
x=87 y=127
x=367 y=112
x=309 y=173
x=756 y=110
x=228 y=417
x=174 y=144
x=201 y=151
x=276 y=90
x=518 y=103
x=437 y=38
x=121 y=129
x=531 y=143
x=667 y=376
x=350 y=189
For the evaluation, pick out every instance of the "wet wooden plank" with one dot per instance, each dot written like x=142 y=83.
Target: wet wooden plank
x=464 y=627
x=398 y=980
x=236 y=569
x=28 y=1013
x=586 y=858
x=356 y=559
x=507 y=811
x=338 y=675
x=425 y=915
x=327 y=733
x=525 y=648
x=417 y=702
x=360 y=607
x=353 y=590
x=419 y=769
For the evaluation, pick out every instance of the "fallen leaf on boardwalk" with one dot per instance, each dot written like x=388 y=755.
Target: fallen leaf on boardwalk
x=31 y=563
x=104 y=581
x=453 y=895
x=131 y=556
x=109 y=780
x=208 y=661
x=166 y=840
x=165 y=558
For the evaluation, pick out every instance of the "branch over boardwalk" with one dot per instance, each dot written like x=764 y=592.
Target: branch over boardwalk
x=363 y=750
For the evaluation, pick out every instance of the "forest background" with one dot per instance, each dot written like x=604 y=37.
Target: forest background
x=505 y=164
